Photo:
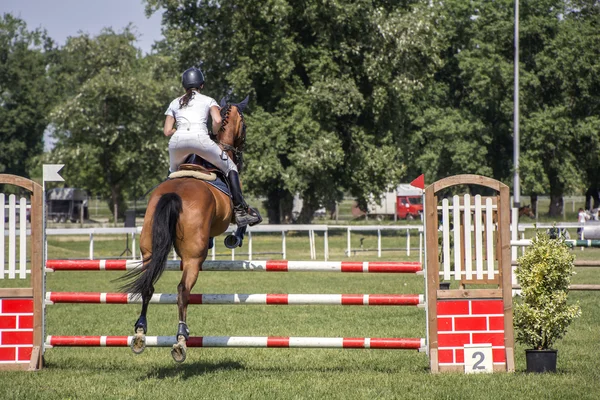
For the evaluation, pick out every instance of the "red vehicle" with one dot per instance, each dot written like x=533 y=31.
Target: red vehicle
x=409 y=207
x=406 y=202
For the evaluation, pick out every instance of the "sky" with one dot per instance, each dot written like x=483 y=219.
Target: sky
x=64 y=18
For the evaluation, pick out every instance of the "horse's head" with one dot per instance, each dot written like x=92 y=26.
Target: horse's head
x=232 y=134
x=526 y=211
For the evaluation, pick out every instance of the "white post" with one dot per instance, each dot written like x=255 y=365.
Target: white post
x=250 y=246
x=421 y=248
x=133 y=245
x=348 y=243
x=22 y=237
x=379 y=242
x=283 y=244
x=91 y=246
x=514 y=229
x=408 y=242
x=326 y=245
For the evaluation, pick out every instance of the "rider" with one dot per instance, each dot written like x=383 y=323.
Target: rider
x=190 y=112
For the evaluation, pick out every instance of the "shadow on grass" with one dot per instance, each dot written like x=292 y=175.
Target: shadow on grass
x=190 y=370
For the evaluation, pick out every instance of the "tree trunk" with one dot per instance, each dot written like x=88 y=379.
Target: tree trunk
x=309 y=206
x=272 y=206
x=116 y=197
x=556 y=205
x=279 y=205
x=534 y=199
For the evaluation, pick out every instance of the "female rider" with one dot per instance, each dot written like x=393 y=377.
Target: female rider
x=190 y=112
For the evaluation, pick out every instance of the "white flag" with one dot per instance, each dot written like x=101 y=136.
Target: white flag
x=51 y=173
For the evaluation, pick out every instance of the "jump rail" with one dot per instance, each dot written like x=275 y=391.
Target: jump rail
x=242 y=341
x=399 y=267
x=236 y=298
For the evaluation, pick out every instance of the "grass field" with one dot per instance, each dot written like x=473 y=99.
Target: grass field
x=116 y=373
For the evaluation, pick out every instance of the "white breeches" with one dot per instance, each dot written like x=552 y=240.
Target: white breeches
x=197 y=141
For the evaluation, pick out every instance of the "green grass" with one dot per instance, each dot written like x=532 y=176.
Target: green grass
x=116 y=373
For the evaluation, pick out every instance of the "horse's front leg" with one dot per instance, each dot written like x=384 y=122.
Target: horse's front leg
x=138 y=344
x=184 y=289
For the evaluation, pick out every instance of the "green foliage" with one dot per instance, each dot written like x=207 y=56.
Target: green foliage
x=544 y=273
x=330 y=85
x=25 y=95
x=109 y=126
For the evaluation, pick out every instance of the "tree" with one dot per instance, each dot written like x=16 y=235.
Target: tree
x=466 y=125
x=562 y=129
x=109 y=129
x=25 y=93
x=330 y=84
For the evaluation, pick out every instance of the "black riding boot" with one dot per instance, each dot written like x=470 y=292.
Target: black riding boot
x=244 y=215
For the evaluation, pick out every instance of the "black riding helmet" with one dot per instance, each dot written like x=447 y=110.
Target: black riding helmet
x=192 y=78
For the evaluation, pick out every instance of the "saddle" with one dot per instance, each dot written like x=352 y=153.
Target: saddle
x=195 y=166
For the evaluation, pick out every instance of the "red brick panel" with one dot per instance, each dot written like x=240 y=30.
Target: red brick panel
x=24 y=353
x=496 y=323
x=16 y=306
x=25 y=321
x=8 y=353
x=463 y=322
x=444 y=324
x=487 y=307
x=499 y=355
x=8 y=322
x=17 y=337
x=496 y=339
x=453 y=339
x=459 y=307
x=470 y=324
x=446 y=356
x=460 y=356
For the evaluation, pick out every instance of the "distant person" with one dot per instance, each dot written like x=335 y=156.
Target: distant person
x=191 y=136
x=582 y=217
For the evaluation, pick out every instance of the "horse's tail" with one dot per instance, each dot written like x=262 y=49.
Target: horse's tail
x=164 y=230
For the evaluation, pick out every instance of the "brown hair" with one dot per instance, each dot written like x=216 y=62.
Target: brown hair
x=185 y=99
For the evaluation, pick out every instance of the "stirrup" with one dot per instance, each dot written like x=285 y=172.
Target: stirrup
x=246 y=216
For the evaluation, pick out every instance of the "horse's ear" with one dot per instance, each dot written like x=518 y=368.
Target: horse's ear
x=244 y=103
x=223 y=102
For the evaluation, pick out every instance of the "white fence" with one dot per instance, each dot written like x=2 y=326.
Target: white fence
x=413 y=234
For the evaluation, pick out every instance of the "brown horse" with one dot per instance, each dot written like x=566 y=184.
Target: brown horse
x=526 y=211
x=185 y=213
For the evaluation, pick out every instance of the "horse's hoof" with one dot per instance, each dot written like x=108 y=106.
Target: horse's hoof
x=179 y=351
x=138 y=344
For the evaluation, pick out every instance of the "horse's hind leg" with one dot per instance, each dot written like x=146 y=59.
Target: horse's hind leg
x=188 y=280
x=138 y=344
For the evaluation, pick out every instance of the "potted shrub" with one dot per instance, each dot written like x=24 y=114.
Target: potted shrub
x=542 y=315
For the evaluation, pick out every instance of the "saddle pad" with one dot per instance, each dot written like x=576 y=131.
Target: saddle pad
x=220 y=185
x=214 y=180
x=193 y=174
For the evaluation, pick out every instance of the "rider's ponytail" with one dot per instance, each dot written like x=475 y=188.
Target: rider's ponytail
x=185 y=99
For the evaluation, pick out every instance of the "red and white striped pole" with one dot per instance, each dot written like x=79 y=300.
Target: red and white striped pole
x=234 y=265
x=236 y=298
x=242 y=341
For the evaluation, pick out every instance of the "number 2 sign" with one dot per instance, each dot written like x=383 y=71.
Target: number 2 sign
x=478 y=358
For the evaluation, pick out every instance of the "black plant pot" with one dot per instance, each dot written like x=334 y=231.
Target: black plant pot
x=541 y=360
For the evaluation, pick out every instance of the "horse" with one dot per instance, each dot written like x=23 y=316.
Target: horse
x=185 y=213
x=526 y=211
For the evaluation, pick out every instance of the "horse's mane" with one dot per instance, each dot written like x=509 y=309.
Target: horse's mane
x=240 y=141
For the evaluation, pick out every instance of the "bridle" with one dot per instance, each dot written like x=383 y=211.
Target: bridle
x=236 y=150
